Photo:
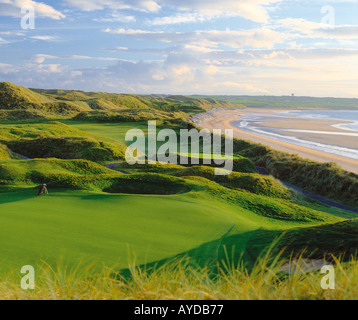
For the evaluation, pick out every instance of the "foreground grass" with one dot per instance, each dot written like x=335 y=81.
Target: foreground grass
x=181 y=281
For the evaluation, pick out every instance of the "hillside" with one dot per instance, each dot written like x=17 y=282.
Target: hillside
x=57 y=140
x=5 y=153
x=21 y=104
x=14 y=97
x=291 y=102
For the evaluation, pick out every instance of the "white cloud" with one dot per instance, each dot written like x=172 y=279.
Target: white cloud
x=116 y=17
x=12 y=33
x=7 y=68
x=13 y=8
x=255 y=10
x=92 y=5
x=310 y=29
x=178 y=19
x=41 y=58
x=128 y=31
x=257 y=38
x=235 y=72
x=3 y=41
x=268 y=57
x=45 y=38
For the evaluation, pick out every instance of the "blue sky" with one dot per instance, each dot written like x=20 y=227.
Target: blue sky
x=253 y=47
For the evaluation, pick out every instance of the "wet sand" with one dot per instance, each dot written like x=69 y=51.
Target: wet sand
x=222 y=119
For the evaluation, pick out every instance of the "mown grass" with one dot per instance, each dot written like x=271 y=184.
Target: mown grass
x=101 y=227
x=170 y=216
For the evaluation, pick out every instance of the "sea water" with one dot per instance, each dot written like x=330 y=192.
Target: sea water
x=346 y=115
x=247 y=123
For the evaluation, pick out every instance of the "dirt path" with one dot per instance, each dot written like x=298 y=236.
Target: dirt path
x=316 y=197
x=112 y=165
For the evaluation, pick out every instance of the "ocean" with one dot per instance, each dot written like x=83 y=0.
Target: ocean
x=346 y=115
x=255 y=123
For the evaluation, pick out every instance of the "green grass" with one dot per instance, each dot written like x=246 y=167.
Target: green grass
x=255 y=183
x=289 y=102
x=180 y=280
x=132 y=115
x=116 y=132
x=22 y=104
x=15 y=98
x=209 y=156
x=57 y=140
x=110 y=131
x=103 y=220
x=42 y=170
x=158 y=213
x=105 y=228
x=5 y=153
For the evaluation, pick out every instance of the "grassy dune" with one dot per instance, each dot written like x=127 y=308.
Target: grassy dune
x=23 y=104
x=5 y=153
x=13 y=97
x=57 y=140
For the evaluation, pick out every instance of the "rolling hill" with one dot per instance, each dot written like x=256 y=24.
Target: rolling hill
x=21 y=104
x=13 y=97
x=57 y=140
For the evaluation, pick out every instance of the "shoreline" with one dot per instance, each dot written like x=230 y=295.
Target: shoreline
x=222 y=119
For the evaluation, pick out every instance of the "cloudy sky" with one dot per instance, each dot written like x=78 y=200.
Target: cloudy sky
x=253 y=47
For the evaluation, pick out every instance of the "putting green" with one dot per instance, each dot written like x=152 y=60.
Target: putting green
x=103 y=228
x=110 y=229
x=110 y=131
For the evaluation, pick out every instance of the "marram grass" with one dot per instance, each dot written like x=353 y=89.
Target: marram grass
x=180 y=280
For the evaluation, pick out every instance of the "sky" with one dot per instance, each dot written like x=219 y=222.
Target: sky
x=207 y=47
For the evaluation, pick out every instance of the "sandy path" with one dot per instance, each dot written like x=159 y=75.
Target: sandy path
x=222 y=120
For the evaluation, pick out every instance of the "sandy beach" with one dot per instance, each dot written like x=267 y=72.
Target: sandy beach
x=223 y=119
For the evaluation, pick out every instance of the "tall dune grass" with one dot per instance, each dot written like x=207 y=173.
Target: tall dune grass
x=179 y=280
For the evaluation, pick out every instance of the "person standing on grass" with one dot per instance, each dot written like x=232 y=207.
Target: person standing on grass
x=43 y=189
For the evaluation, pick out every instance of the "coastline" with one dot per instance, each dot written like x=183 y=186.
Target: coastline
x=223 y=119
